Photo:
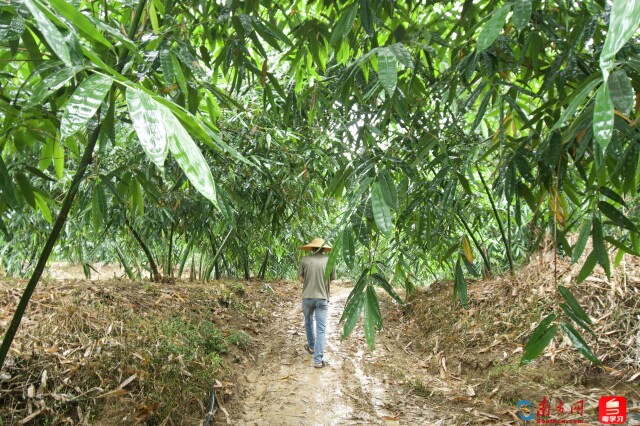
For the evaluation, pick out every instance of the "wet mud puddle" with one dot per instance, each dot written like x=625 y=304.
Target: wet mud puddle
x=283 y=388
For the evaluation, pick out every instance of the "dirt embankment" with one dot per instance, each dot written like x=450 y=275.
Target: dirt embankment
x=116 y=352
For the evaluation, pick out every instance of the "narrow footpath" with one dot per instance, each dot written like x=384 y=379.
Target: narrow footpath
x=285 y=389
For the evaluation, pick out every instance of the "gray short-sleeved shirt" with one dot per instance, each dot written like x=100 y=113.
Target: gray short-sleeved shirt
x=312 y=269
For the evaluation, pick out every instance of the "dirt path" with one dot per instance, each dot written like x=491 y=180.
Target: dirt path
x=284 y=388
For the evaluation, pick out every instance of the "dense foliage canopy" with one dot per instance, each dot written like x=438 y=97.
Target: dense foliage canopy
x=423 y=139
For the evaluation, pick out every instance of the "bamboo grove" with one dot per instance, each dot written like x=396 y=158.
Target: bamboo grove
x=424 y=139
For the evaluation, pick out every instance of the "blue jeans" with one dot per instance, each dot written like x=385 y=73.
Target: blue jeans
x=315 y=341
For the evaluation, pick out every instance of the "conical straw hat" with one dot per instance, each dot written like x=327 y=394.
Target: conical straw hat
x=316 y=244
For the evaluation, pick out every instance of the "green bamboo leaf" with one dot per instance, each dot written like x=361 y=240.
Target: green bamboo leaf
x=381 y=211
x=5 y=231
x=153 y=17
x=579 y=343
x=50 y=84
x=333 y=258
x=587 y=267
x=387 y=69
x=491 y=30
x=402 y=54
x=576 y=99
x=598 y=246
x=621 y=246
x=352 y=313
x=166 y=64
x=521 y=13
x=148 y=121
x=80 y=22
x=461 y=285
x=83 y=104
x=541 y=328
x=136 y=203
x=621 y=91
x=574 y=304
x=344 y=25
x=609 y=193
x=567 y=310
x=26 y=189
x=51 y=34
x=96 y=213
x=366 y=17
x=616 y=216
x=179 y=74
x=581 y=243
x=58 y=159
x=348 y=248
x=46 y=154
x=372 y=316
x=623 y=23
x=388 y=187
x=534 y=350
x=7 y=192
x=603 y=117
x=386 y=285
x=41 y=203
x=482 y=109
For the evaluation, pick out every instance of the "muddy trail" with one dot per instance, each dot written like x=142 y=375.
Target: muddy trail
x=283 y=388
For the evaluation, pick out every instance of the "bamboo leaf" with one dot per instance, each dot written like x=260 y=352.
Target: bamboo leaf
x=577 y=98
x=466 y=248
x=96 y=212
x=382 y=281
x=598 y=246
x=609 y=193
x=51 y=34
x=534 y=348
x=344 y=25
x=521 y=13
x=333 y=258
x=26 y=189
x=621 y=91
x=616 y=216
x=388 y=188
x=84 y=104
x=461 y=285
x=492 y=28
x=603 y=117
x=587 y=267
x=58 y=159
x=51 y=83
x=581 y=243
x=80 y=22
x=352 y=313
x=574 y=304
x=381 y=211
x=148 y=121
x=579 y=343
x=567 y=310
x=372 y=316
x=623 y=22
x=348 y=248
x=41 y=203
x=621 y=246
x=7 y=192
x=387 y=70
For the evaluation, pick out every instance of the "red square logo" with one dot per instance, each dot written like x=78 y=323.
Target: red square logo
x=612 y=410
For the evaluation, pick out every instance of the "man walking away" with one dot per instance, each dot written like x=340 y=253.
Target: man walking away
x=315 y=297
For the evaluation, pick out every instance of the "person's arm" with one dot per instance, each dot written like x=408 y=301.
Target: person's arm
x=301 y=273
x=301 y=278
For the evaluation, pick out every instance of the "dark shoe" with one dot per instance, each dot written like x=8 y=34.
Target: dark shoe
x=308 y=349
x=320 y=364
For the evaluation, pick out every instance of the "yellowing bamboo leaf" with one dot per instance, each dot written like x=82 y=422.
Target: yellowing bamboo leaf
x=466 y=247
